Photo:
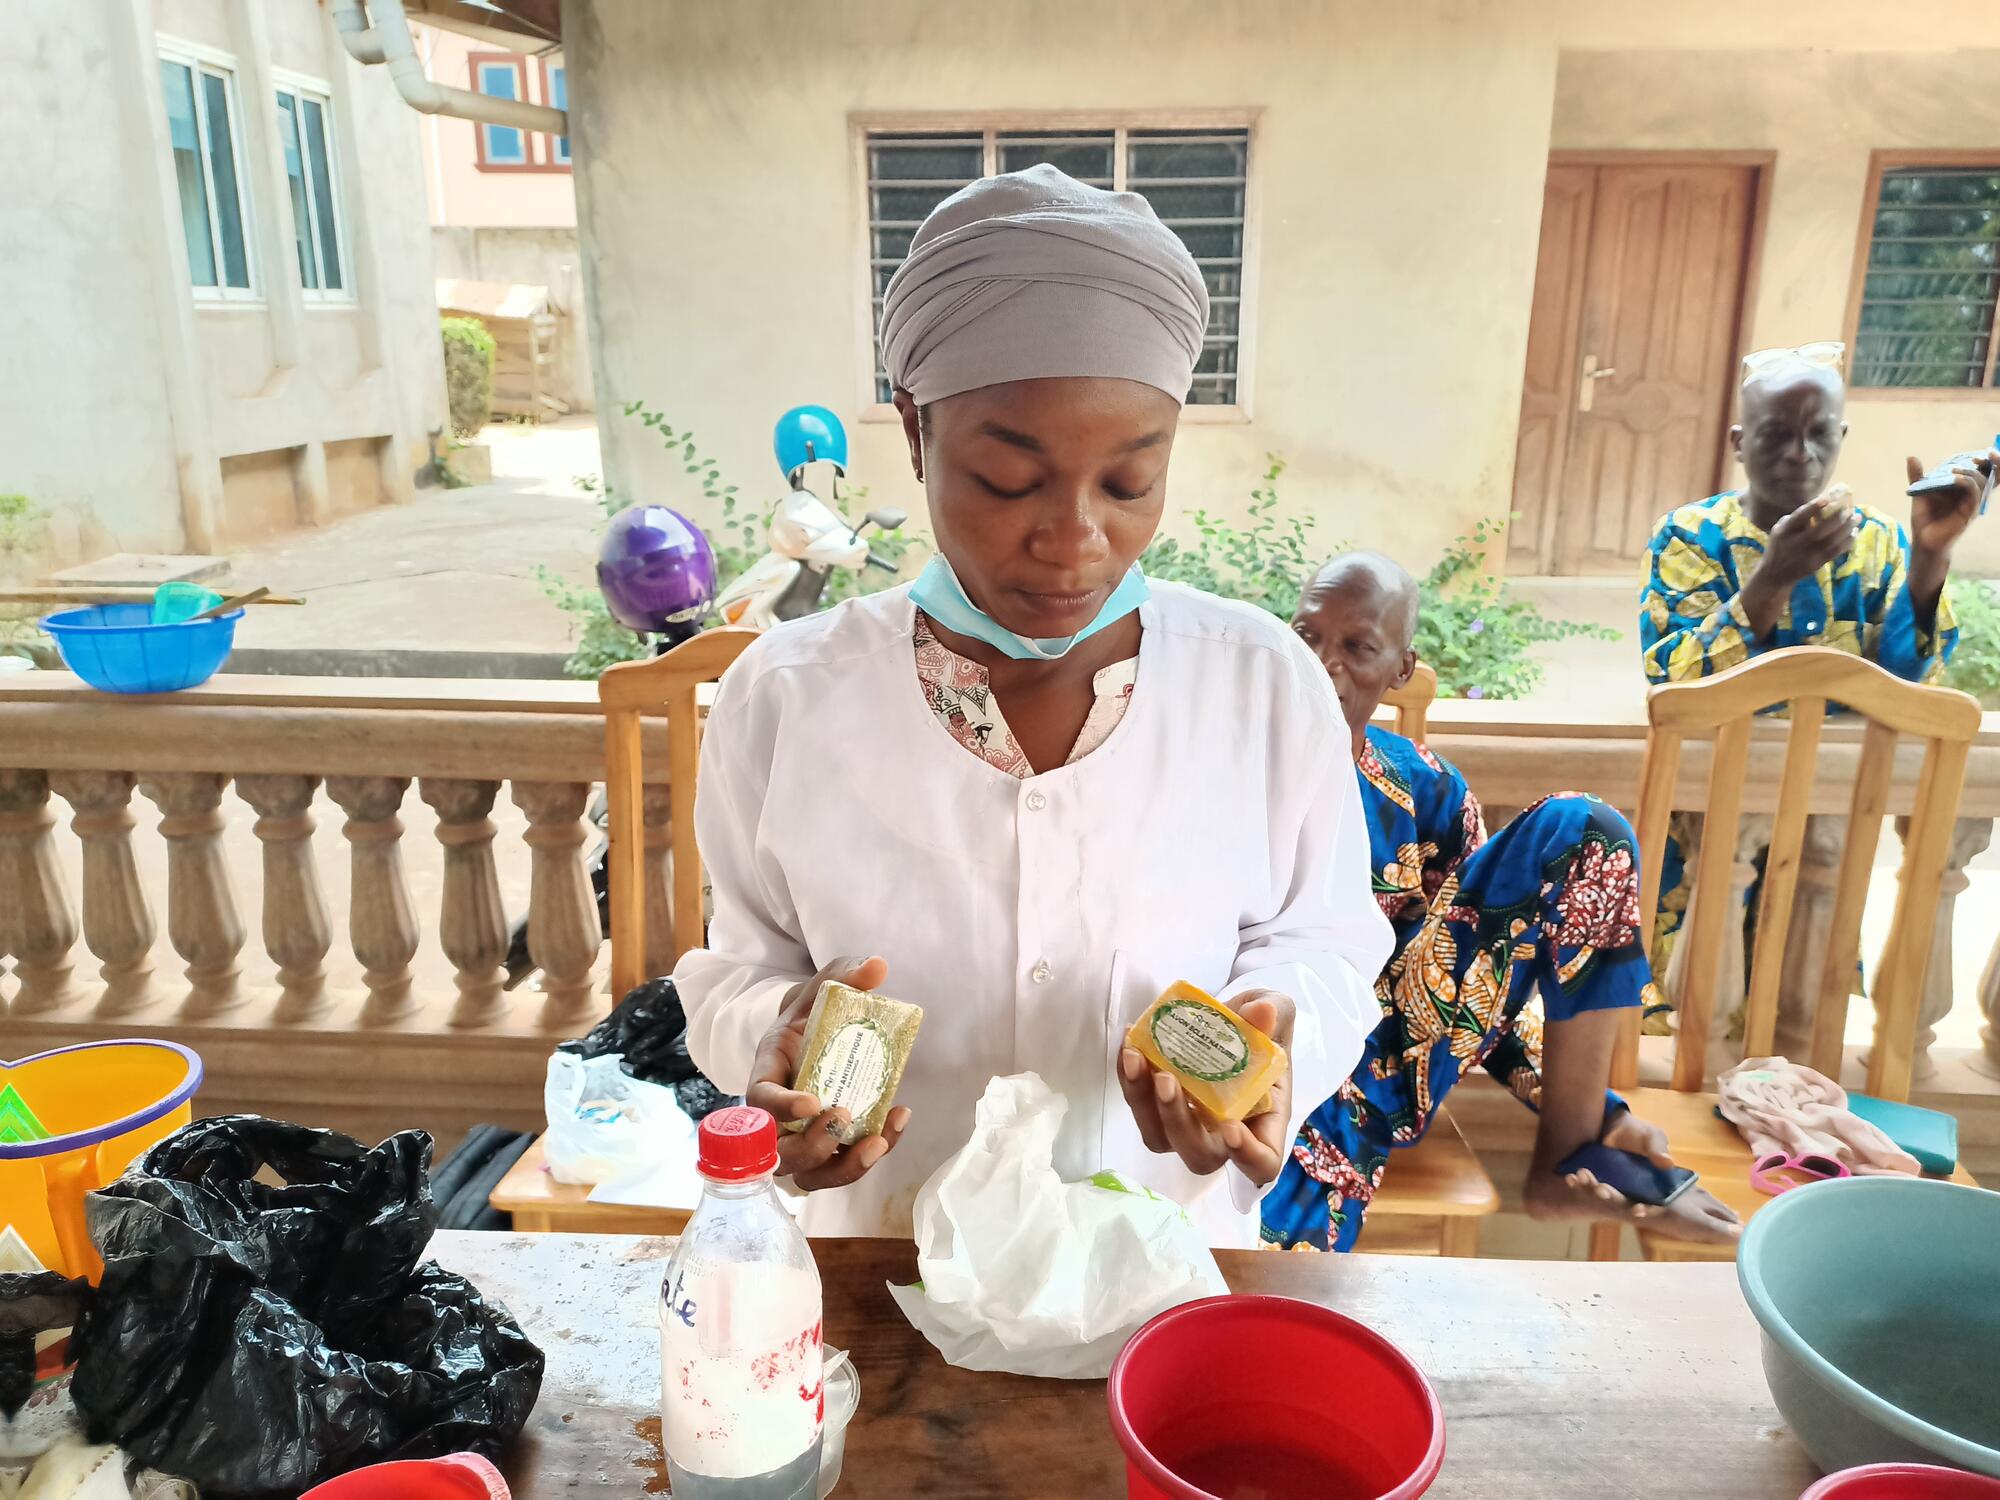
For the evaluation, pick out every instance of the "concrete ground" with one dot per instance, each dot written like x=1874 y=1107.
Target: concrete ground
x=452 y=574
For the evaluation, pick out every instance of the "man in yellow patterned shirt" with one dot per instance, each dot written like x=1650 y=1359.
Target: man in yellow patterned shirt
x=1790 y=561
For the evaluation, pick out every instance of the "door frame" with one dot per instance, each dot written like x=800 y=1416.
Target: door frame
x=1764 y=165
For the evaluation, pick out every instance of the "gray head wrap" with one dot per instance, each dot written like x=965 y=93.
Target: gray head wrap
x=1033 y=275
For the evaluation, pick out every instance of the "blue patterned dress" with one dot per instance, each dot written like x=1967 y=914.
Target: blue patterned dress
x=1548 y=907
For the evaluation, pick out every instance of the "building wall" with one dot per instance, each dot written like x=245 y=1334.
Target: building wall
x=1397 y=176
x=530 y=257
x=461 y=192
x=1823 y=114
x=718 y=193
x=146 y=420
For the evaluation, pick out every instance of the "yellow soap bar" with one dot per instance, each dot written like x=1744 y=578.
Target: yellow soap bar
x=1225 y=1064
x=855 y=1047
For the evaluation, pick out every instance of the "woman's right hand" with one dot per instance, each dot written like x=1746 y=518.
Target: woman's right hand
x=812 y=1157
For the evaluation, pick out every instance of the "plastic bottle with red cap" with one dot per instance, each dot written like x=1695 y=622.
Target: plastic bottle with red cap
x=740 y=1397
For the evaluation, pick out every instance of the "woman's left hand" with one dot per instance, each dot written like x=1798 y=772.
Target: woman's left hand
x=1170 y=1122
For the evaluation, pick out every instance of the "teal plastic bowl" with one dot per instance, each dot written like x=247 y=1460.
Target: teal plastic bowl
x=1879 y=1298
x=116 y=648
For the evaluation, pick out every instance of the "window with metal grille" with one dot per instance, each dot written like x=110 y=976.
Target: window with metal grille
x=1196 y=181
x=1930 y=279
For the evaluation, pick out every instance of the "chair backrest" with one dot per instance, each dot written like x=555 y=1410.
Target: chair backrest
x=1806 y=678
x=1412 y=702
x=627 y=691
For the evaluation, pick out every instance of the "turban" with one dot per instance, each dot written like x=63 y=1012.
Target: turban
x=1033 y=275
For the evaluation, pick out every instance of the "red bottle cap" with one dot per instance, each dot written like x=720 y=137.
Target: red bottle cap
x=738 y=1142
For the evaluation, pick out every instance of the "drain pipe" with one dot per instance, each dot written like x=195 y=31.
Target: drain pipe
x=388 y=40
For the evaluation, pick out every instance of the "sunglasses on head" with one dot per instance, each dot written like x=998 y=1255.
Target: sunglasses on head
x=1827 y=354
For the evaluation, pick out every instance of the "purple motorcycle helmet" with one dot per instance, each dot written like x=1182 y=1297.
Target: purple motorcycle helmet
x=656 y=571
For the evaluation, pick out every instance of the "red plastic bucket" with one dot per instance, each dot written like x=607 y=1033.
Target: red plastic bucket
x=1274 y=1397
x=461 y=1476
x=1904 y=1482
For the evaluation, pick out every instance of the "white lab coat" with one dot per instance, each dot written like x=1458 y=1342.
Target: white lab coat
x=1216 y=837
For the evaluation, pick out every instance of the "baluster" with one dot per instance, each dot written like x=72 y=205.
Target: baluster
x=472 y=923
x=659 y=897
x=297 y=933
x=563 y=931
x=37 y=922
x=1809 y=932
x=1987 y=1059
x=381 y=920
x=117 y=922
x=1969 y=838
x=202 y=922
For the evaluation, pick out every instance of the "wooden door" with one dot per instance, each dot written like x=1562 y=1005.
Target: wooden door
x=1632 y=350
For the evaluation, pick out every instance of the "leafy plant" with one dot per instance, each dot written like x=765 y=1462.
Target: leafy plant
x=468 y=373
x=1975 y=663
x=1475 y=634
x=24 y=537
x=737 y=537
x=1265 y=561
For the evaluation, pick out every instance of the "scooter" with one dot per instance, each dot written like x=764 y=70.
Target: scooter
x=808 y=537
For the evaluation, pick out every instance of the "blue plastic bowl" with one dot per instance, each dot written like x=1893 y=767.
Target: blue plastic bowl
x=1879 y=1298
x=117 y=648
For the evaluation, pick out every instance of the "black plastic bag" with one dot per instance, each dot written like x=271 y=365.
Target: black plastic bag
x=648 y=1029
x=260 y=1339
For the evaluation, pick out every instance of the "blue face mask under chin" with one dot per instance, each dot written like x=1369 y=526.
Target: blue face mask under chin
x=939 y=594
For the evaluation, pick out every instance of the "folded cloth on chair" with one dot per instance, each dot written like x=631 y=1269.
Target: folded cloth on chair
x=1781 y=1106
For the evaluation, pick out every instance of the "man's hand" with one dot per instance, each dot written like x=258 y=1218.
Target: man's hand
x=1799 y=546
x=1939 y=519
x=812 y=1158
x=1170 y=1122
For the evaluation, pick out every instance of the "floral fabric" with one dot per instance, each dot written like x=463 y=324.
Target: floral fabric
x=960 y=694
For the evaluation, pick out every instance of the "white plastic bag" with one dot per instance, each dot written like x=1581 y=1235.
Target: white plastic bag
x=604 y=1124
x=1024 y=1272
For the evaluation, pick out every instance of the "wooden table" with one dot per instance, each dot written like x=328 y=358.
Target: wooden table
x=1560 y=1380
x=541 y=1205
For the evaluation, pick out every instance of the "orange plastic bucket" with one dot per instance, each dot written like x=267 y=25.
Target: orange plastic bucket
x=72 y=1120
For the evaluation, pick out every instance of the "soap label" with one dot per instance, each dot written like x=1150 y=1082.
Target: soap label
x=852 y=1070
x=1199 y=1042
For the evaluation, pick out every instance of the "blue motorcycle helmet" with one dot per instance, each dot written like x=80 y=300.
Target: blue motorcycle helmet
x=808 y=435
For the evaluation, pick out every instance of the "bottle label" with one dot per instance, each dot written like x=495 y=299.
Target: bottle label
x=1198 y=1042
x=852 y=1069
x=740 y=1376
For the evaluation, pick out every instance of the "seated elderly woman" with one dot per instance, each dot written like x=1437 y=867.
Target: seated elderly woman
x=1494 y=938
x=1060 y=788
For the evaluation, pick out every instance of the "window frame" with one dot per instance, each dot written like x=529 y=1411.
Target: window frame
x=558 y=157
x=1880 y=163
x=201 y=59
x=994 y=123
x=300 y=87
x=537 y=146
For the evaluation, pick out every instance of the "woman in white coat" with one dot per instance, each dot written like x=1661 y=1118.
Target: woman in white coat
x=1030 y=791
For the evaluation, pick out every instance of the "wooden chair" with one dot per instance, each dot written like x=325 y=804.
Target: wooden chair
x=668 y=683
x=1440 y=1177
x=1727 y=704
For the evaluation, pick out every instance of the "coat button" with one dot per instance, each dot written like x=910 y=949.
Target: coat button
x=1037 y=801
x=1042 y=973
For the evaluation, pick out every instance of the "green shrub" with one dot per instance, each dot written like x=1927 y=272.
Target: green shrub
x=1475 y=634
x=1975 y=663
x=468 y=373
x=24 y=538
x=1265 y=561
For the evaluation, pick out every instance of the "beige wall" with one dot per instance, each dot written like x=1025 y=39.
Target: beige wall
x=128 y=395
x=719 y=198
x=461 y=193
x=1397 y=175
x=1823 y=113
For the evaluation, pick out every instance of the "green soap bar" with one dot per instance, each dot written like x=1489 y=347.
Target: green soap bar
x=855 y=1047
